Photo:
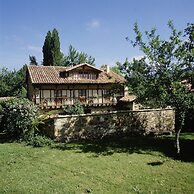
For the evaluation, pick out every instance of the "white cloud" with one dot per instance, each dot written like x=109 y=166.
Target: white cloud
x=93 y=24
x=35 y=48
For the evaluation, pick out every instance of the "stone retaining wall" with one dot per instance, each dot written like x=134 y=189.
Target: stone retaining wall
x=91 y=126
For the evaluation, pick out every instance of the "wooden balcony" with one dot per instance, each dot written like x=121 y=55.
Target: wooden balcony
x=59 y=102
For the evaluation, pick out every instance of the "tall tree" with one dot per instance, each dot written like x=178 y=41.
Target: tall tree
x=55 y=49
x=52 y=56
x=159 y=74
x=47 y=50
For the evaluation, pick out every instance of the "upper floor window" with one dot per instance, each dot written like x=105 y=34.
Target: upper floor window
x=83 y=75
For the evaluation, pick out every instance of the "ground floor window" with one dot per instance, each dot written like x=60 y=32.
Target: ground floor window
x=60 y=96
x=81 y=92
x=58 y=93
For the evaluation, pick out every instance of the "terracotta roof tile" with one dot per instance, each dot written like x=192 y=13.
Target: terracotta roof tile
x=76 y=66
x=51 y=75
x=128 y=98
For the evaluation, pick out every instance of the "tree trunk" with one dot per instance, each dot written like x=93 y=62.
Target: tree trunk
x=181 y=120
x=177 y=141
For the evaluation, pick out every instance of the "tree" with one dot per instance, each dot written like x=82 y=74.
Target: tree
x=160 y=72
x=33 y=60
x=75 y=57
x=116 y=68
x=47 y=50
x=139 y=77
x=57 y=55
x=13 y=83
x=52 y=56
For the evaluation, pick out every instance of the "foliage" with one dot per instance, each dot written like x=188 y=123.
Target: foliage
x=33 y=60
x=138 y=75
x=1 y=109
x=75 y=109
x=40 y=141
x=47 y=50
x=115 y=90
x=52 y=55
x=75 y=57
x=57 y=55
x=160 y=72
x=12 y=83
x=22 y=93
x=18 y=116
x=116 y=69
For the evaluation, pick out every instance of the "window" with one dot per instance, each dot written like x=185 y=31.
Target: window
x=58 y=93
x=86 y=75
x=82 y=93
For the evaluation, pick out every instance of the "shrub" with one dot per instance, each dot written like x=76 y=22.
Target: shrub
x=1 y=115
x=40 y=141
x=1 y=109
x=74 y=109
x=18 y=115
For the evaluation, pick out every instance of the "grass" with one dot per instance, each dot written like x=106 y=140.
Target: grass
x=126 y=165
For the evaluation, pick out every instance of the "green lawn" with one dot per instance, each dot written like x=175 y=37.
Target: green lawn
x=133 y=165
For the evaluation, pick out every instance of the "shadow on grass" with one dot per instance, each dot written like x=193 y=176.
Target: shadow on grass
x=140 y=145
x=127 y=144
x=158 y=163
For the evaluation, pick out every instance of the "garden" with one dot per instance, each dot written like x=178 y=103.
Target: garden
x=33 y=163
x=125 y=165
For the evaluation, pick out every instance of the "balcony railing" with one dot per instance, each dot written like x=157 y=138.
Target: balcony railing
x=58 y=102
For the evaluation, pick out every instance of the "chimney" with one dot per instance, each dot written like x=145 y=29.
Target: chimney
x=107 y=69
x=126 y=91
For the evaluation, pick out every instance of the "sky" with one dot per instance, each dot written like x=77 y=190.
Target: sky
x=96 y=27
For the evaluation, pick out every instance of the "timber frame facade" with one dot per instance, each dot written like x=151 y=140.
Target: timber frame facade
x=54 y=86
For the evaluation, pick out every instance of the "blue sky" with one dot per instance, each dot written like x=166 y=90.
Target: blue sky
x=97 y=27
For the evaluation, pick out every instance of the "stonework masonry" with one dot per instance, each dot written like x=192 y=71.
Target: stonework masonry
x=92 y=126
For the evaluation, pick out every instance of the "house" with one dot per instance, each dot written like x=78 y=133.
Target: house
x=98 y=89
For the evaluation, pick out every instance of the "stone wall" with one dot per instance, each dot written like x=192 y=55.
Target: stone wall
x=91 y=126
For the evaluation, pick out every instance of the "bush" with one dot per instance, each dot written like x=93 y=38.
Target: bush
x=1 y=115
x=18 y=116
x=74 y=109
x=40 y=141
x=1 y=109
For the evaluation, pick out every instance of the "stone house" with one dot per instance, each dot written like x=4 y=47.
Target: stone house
x=98 y=89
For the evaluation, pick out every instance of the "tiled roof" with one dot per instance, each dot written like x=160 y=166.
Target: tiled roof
x=128 y=98
x=51 y=75
x=76 y=66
